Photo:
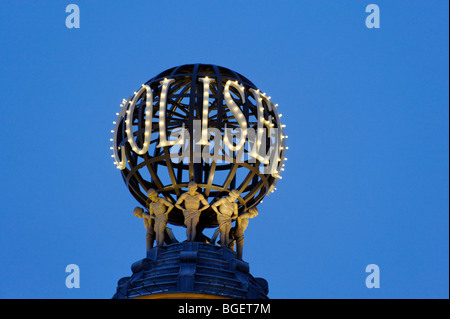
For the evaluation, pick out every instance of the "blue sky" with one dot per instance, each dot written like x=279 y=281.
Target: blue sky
x=367 y=114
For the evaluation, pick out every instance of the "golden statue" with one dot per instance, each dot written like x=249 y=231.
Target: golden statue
x=148 y=224
x=159 y=209
x=191 y=212
x=226 y=209
x=241 y=226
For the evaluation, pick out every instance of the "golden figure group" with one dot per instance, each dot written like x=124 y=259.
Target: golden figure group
x=226 y=208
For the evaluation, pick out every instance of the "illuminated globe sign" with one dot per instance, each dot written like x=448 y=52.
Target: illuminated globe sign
x=199 y=123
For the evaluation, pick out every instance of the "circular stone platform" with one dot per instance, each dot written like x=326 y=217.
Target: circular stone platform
x=191 y=270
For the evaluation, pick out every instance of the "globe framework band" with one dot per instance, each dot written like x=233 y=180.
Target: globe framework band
x=187 y=100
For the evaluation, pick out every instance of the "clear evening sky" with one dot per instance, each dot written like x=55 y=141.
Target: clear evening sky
x=367 y=114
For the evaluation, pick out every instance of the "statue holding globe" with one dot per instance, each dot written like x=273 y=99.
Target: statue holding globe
x=191 y=211
x=148 y=224
x=155 y=220
x=159 y=209
x=241 y=226
x=237 y=123
x=227 y=211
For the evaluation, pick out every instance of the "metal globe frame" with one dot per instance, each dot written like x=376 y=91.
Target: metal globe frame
x=184 y=105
